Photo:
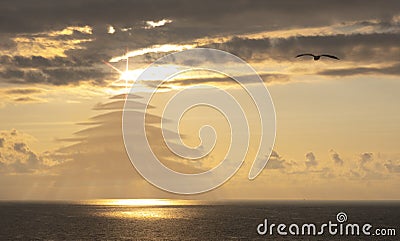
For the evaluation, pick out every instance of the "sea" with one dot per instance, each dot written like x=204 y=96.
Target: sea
x=165 y=219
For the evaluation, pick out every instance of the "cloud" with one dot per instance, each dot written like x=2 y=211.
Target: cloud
x=56 y=76
x=21 y=147
x=220 y=81
x=48 y=44
x=311 y=160
x=393 y=166
x=110 y=30
x=24 y=17
x=63 y=42
x=369 y=168
x=23 y=95
x=98 y=151
x=365 y=158
x=17 y=158
x=23 y=91
x=360 y=48
x=275 y=161
x=41 y=62
x=38 y=47
x=28 y=100
x=155 y=24
x=390 y=70
x=336 y=158
x=166 y=48
x=363 y=168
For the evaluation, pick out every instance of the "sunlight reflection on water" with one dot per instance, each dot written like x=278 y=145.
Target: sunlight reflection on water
x=142 y=208
x=148 y=213
x=142 y=202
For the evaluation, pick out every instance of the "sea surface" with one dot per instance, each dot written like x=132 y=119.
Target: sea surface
x=185 y=220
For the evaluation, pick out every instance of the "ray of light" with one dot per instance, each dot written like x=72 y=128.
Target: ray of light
x=124 y=75
x=112 y=66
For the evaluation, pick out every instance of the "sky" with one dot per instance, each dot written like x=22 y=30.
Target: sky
x=337 y=121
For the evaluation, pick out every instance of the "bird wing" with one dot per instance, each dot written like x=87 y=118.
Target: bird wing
x=305 y=55
x=330 y=56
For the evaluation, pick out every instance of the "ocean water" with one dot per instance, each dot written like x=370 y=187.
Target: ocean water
x=184 y=220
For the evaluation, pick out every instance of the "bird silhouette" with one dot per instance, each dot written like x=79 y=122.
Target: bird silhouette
x=317 y=57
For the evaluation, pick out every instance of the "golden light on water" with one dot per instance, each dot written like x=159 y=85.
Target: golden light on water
x=141 y=214
x=139 y=202
x=141 y=208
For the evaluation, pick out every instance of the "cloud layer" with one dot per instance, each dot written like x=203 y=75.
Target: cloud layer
x=60 y=43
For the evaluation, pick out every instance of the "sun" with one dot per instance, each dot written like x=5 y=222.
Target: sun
x=128 y=75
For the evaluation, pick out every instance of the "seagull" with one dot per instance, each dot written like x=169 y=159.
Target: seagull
x=317 y=57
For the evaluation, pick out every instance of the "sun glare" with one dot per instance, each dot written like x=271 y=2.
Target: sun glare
x=128 y=75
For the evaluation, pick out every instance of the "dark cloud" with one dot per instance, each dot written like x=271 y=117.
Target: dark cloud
x=73 y=75
x=391 y=70
x=23 y=76
x=56 y=76
x=21 y=147
x=26 y=100
x=192 y=16
x=336 y=158
x=311 y=160
x=191 y=20
x=365 y=158
x=7 y=41
x=360 y=48
x=23 y=95
x=275 y=161
x=42 y=62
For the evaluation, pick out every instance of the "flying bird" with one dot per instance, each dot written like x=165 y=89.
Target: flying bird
x=317 y=57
